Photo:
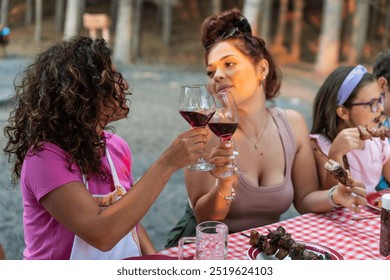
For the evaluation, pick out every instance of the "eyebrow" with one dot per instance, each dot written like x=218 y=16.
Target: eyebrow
x=223 y=58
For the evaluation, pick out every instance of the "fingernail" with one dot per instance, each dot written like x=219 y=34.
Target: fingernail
x=353 y=205
x=354 y=194
x=235 y=153
x=228 y=145
x=232 y=157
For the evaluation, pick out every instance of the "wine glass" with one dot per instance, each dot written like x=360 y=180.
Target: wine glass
x=197 y=106
x=224 y=122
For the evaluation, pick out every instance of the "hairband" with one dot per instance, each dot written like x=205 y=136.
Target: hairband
x=350 y=83
x=240 y=25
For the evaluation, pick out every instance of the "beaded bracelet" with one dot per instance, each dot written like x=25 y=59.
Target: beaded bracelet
x=228 y=198
x=330 y=197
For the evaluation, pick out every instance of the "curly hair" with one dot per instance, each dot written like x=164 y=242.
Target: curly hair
x=231 y=24
x=59 y=99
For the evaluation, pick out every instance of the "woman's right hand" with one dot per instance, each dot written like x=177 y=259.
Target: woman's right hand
x=186 y=148
x=222 y=156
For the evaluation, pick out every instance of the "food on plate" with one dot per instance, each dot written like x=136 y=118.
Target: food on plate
x=338 y=172
x=280 y=244
x=378 y=202
x=366 y=133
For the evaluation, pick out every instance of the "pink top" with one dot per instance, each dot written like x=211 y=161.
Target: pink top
x=47 y=170
x=255 y=205
x=365 y=165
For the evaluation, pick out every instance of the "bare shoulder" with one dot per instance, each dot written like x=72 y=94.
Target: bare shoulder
x=296 y=120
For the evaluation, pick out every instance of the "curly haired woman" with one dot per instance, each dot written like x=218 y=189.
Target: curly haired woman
x=72 y=172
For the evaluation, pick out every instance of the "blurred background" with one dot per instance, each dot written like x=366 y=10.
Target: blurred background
x=156 y=45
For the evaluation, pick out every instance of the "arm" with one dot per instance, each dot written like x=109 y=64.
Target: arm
x=347 y=140
x=146 y=244
x=307 y=196
x=203 y=187
x=74 y=207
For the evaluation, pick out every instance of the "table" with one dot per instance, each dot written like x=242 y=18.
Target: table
x=353 y=239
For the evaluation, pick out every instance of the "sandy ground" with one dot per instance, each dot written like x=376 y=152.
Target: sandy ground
x=152 y=124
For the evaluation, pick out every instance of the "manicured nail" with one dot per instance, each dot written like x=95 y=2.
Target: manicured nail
x=228 y=145
x=353 y=205
x=235 y=153
x=232 y=157
x=354 y=194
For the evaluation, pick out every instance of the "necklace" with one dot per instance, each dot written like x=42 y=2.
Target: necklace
x=256 y=145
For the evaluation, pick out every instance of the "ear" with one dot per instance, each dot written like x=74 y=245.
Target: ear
x=383 y=84
x=342 y=113
x=262 y=69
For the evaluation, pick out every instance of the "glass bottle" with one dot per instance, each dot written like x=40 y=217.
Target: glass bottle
x=384 y=242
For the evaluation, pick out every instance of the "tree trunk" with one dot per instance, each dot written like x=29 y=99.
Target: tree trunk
x=359 y=31
x=251 y=11
x=280 y=33
x=59 y=15
x=328 y=54
x=387 y=26
x=4 y=12
x=136 y=27
x=167 y=22
x=297 y=30
x=123 y=33
x=216 y=7
x=71 y=18
x=266 y=20
x=28 y=16
x=38 y=21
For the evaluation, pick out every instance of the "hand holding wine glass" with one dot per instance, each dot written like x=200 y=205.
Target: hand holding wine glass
x=225 y=121
x=197 y=106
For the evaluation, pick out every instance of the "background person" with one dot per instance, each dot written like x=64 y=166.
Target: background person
x=350 y=97
x=381 y=71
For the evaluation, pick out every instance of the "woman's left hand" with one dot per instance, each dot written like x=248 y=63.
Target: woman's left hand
x=351 y=197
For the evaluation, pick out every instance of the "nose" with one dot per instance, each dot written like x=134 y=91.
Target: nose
x=219 y=74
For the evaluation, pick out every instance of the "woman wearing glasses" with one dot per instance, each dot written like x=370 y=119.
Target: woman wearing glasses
x=348 y=98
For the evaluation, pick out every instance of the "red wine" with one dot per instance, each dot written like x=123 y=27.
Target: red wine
x=196 y=119
x=223 y=130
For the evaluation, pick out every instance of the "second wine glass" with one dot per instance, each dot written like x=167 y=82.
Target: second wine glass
x=225 y=121
x=197 y=106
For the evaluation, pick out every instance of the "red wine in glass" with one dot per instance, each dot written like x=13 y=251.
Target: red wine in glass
x=224 y=122
x=197 y=107
x=223 y=130
x=196 y=119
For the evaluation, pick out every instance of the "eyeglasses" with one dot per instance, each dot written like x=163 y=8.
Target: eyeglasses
x=374 y=103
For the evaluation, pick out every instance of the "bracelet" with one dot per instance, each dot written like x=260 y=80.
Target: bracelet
x=228 y=198
x=330 y=197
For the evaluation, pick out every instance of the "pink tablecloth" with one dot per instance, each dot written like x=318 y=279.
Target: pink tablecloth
x=353 y=239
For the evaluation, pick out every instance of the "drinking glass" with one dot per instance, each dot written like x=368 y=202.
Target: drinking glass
x=224 y=122
x=211 y=241
x=197 y=106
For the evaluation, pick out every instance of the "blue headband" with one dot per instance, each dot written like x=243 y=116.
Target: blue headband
x=349 y=83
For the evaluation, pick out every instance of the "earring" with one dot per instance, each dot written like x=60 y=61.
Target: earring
x=262 y=80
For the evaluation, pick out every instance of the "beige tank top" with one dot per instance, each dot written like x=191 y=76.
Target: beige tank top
x=255 y=205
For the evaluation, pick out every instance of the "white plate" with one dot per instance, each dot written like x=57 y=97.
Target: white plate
x=254 y=253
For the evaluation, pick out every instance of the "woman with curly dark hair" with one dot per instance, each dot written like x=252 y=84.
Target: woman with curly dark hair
x=272 y=144
x=72 y=171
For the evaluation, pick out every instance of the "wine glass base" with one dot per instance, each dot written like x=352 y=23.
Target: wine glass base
x=201 y=167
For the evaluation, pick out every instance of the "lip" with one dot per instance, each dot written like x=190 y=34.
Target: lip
x=223 y=88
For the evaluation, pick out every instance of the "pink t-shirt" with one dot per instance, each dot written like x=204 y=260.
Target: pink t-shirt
x=365 y=165
x=47 y=170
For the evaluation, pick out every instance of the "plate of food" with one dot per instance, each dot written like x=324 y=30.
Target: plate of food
x=279 y=245
x=374 y=200
x=312 y=252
